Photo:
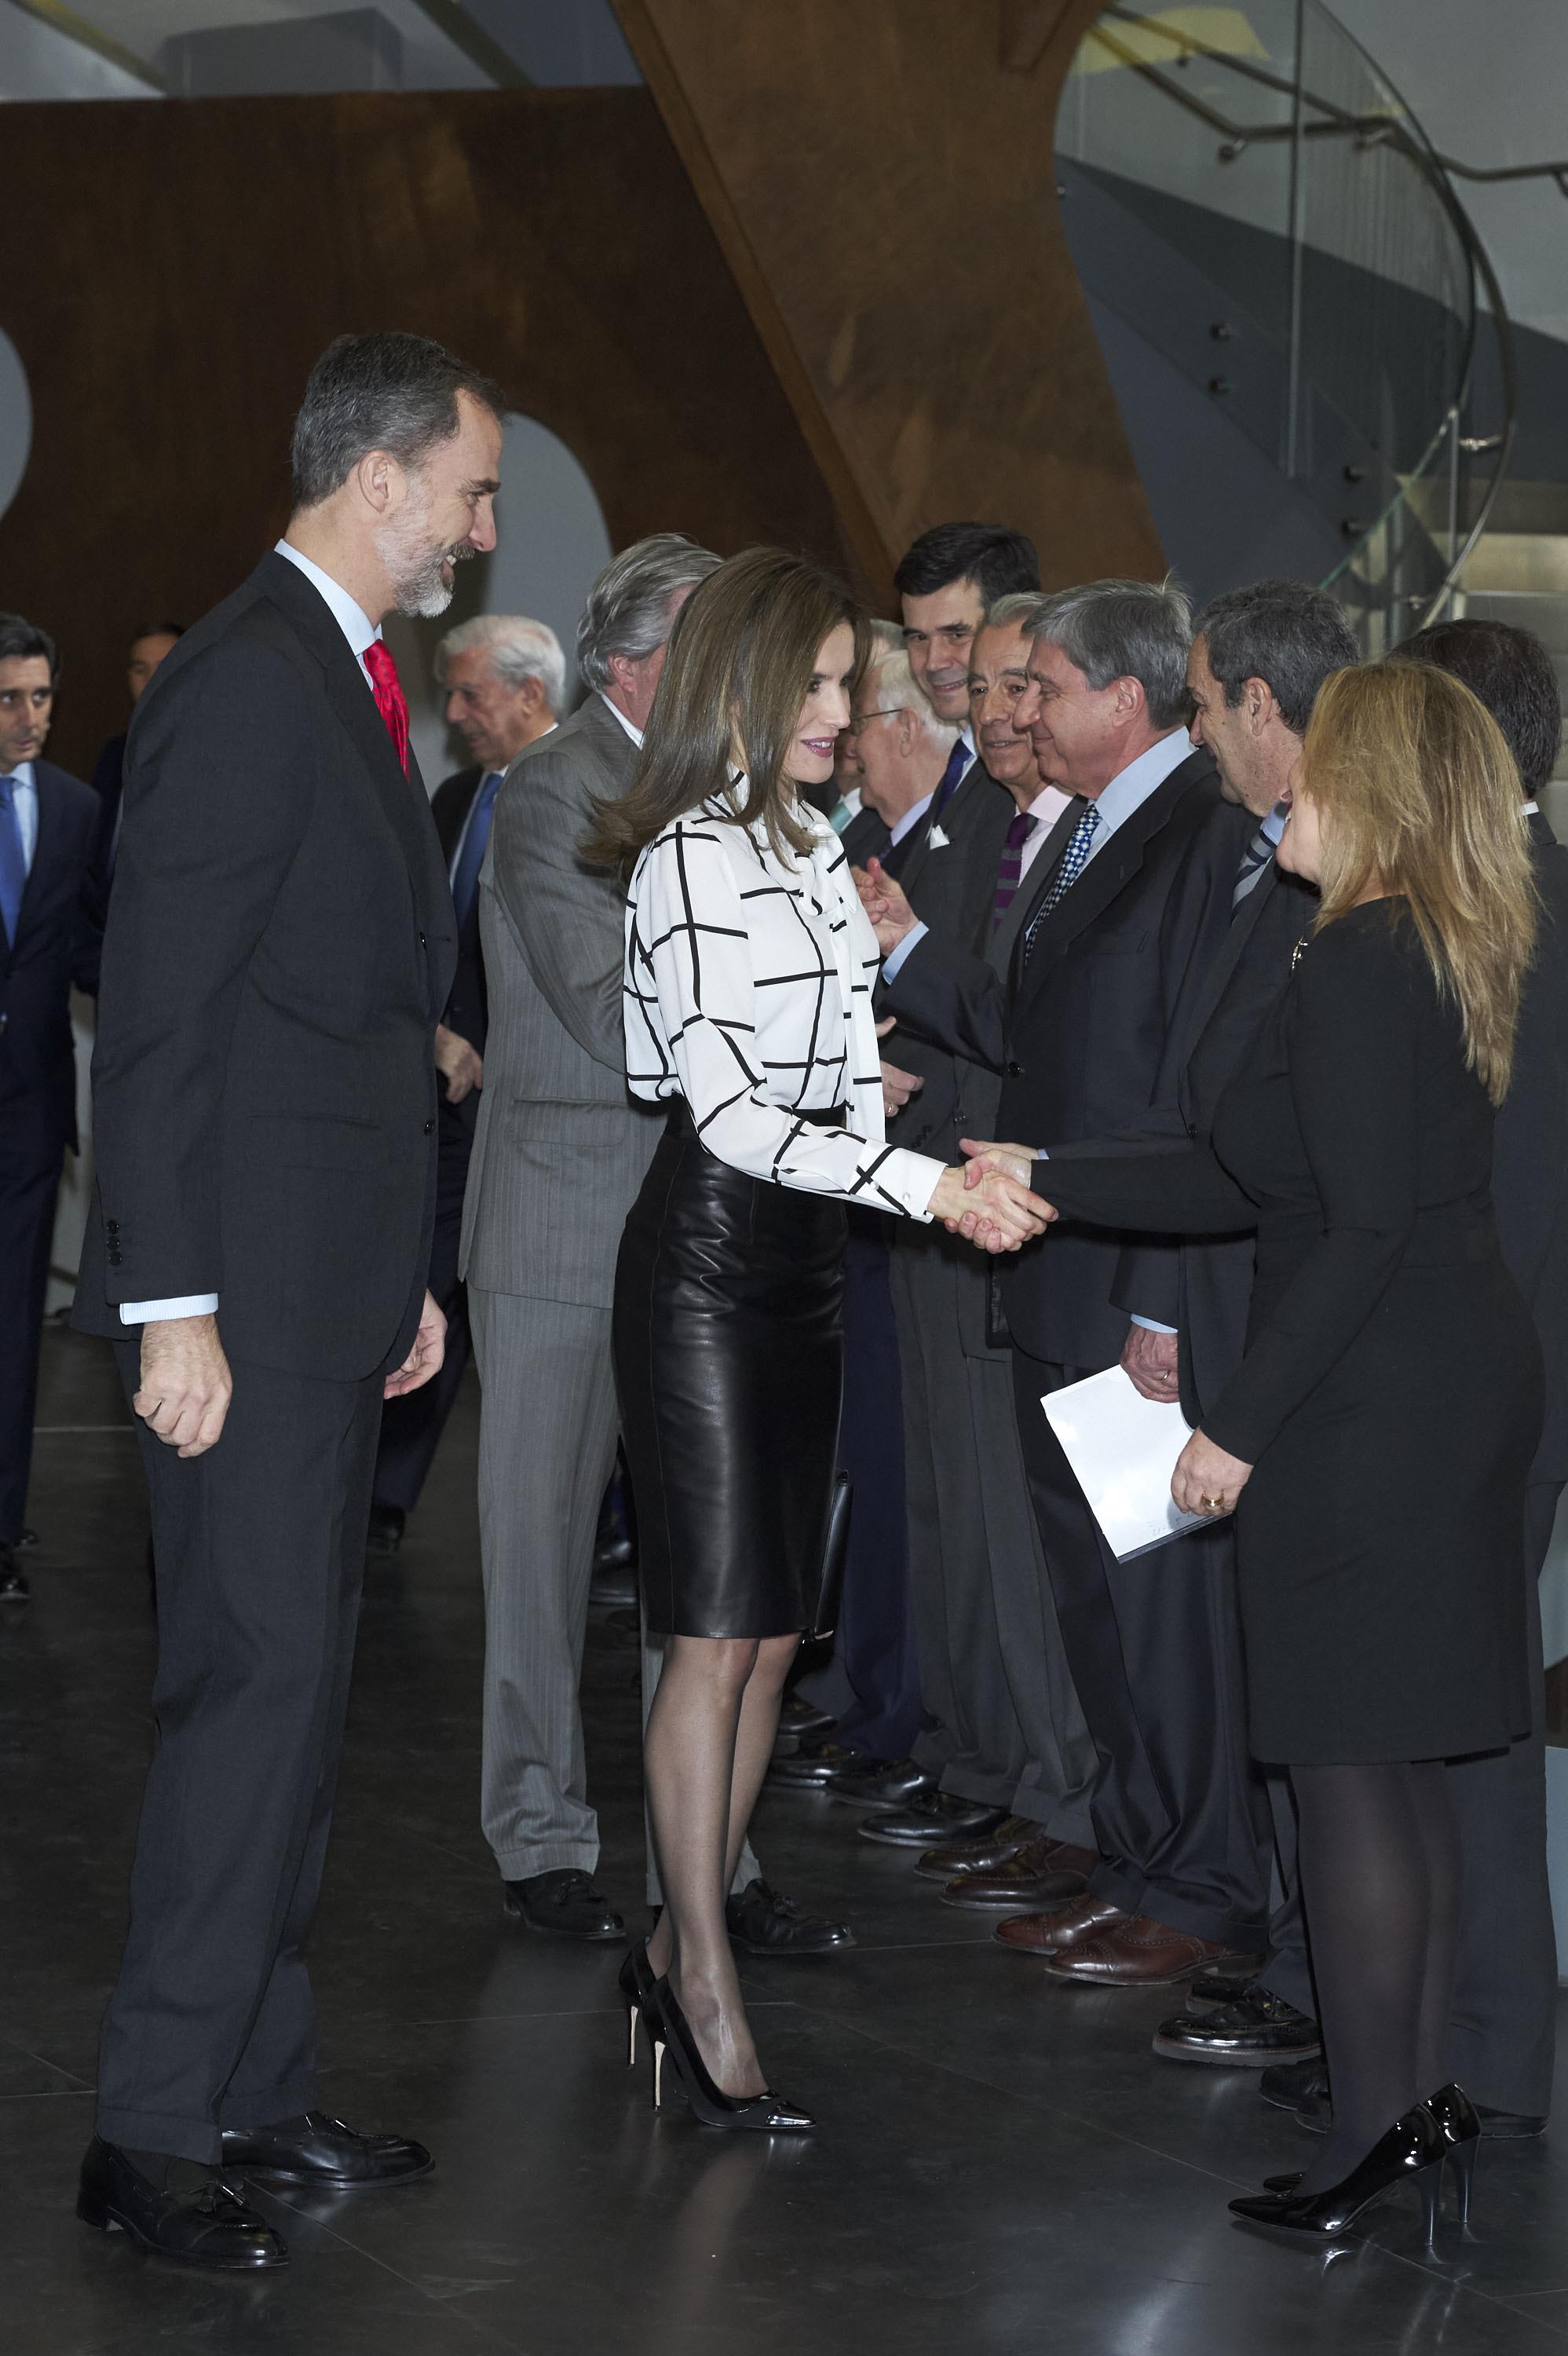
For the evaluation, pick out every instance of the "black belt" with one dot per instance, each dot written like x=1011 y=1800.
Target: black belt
x=679 y=1112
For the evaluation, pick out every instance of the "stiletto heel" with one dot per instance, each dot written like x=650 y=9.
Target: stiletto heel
x=764 y=2114
x=1413 y=2151
x=1460 y=2122
x=658 y=2074
x=637 y=1987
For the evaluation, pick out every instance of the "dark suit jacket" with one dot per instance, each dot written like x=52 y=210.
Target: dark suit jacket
x=951 y=887
x=867 y=836
x=57 y=944
x=1530 y=1153
x=281 y=940
x=1078 y=1031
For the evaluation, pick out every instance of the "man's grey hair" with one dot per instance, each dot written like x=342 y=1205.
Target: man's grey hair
x=627 y=611
x=1286 y=633
x=1021 y=609
x=1126 y=629
x=890 y=686
x=395 y=393
x=517 y=651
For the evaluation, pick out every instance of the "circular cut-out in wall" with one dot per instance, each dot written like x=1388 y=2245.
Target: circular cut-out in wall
x=16 y=421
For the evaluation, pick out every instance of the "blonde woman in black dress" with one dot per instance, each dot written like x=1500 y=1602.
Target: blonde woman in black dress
x=1375 y=1441
x=750 y=965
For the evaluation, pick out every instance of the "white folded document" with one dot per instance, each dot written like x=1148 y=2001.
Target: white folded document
x=1122 y=1450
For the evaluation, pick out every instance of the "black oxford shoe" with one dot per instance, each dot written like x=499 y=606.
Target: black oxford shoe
x=878 y=1786
x=814 y=1764
x=935 y=1816
x=1254 y=2032
x=767 y=1924
x=318 y=2150
x=569 y=1903
x=205 y=2225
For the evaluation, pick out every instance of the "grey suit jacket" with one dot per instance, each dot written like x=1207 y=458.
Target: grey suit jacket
x=560 y=1149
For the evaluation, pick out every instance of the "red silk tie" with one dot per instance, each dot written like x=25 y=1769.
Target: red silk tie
x=390 y=700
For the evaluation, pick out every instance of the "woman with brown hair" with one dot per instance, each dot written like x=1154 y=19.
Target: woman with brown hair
x=750 y=965
x=1375 y=1441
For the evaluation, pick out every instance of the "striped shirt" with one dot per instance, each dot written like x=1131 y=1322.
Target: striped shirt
x=748 y=991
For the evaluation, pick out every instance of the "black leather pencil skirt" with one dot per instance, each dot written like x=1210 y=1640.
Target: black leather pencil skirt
x=728 y=1362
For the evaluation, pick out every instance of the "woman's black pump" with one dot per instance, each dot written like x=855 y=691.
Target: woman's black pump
x=763 y=2113
x=1413 y=2151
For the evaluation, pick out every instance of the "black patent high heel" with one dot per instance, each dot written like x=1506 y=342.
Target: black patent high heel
x=1461 y=2127
x=764 y=2114
x=636 y=1980
x=1413 y=2151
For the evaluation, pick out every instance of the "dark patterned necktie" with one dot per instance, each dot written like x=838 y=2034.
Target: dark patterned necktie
x=390 y=701
x=1011 y=866
x=1255 y=859
x=952 y=778
x=1074 y=860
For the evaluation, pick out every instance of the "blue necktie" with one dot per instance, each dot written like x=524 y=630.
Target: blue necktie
x=1074 y=860
x=952 y=778
x=465 y=874
x=13 y=859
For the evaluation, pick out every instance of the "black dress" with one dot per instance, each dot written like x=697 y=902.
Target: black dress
x=1391 y=1394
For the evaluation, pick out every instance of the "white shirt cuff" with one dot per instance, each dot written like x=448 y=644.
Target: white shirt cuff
x=891 y=963
x=911 y=1179
x=154 y=1313
x=1153 y=1325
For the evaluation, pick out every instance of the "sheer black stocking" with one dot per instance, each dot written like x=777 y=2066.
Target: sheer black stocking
x=709 y=1737
x=1381 y=1873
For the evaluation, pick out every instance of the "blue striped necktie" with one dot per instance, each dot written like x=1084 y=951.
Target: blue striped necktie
x=1074 y=860
x=13 y=860
x=1255 y=859
x=471 y=858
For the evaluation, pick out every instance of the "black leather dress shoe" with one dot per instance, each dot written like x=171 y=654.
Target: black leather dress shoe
x=207 y=2224
x=814 y=1764
x=385 y=1535
x=1288 y=2084
x=14 y=1587
x=1221 y=1987
x=1254 y=2032
x=798 y=1716
x=881 y=1786
x=935 y=1817
x=320 y=2150
x=567 y=1903
x=767 y=1924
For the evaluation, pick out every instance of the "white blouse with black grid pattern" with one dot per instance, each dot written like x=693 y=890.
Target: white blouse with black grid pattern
x=748 y=991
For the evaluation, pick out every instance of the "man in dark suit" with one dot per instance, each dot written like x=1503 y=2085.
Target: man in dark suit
x=1137 y=900
x=147 y=650
x=48 y=939
x=506 y=687
x=1502 y=2033
x=280 y=944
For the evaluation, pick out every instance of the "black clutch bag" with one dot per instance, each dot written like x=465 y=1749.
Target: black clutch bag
x=833 y=1553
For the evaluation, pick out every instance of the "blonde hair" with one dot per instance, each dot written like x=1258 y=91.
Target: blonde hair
x=1420 y=797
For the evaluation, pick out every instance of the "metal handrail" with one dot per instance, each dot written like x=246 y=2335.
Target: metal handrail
x=1381 y=129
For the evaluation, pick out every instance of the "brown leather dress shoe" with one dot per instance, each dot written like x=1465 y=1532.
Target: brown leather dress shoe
x=1135 y=1952
x=1047 y=1873
x=981 y=1854
x=1049 y=1934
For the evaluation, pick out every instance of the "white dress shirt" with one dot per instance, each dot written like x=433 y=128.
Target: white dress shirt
x=361 y=633
x=1046 y=808
x=748 y=991
x=910 y=821
x=25 y=802
x=634 y=734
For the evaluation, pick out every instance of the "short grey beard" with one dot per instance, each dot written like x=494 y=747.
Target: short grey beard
x=416 y=575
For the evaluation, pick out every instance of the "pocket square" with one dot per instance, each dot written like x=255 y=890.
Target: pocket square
x=937 y=839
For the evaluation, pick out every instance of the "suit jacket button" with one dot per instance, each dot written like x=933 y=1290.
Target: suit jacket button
x=1015 y=1071
x=115 y=1258
x=428 y=1127
x=422 y=940
x=110 y=1227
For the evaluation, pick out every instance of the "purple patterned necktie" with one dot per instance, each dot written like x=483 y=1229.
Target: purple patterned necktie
x=1011 y=866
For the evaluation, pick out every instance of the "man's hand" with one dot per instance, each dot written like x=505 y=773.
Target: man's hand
x=986 y=1160
x=458 y=1062
x=424 y=1359
x=997 y=1214
x=185 y=1383
x=1149 y=1360
x=1207 y=1481
x=897 y=1086
x=884 y=902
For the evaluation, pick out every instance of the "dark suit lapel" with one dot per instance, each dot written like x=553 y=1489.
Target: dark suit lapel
x=1242 y=928
x=1539 y=827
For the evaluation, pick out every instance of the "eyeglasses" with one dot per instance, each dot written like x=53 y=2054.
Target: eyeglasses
x=886 y=711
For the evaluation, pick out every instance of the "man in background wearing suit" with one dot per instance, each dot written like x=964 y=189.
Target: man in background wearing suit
x=965 y=1766
x=506 y=687
x=280 y=944
x=48 y=939
x=149 y=647
x=1137 y=902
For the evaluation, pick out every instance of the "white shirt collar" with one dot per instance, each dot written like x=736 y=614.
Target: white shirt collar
x=357 y=627
x=1529 y=809
x=634 y=734
x=910 y=820
x=1131 y=786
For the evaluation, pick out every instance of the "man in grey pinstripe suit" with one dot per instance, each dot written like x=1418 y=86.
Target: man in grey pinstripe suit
x=559 y=1155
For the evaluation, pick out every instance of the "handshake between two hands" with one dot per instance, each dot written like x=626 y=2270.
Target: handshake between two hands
x=989 y=1200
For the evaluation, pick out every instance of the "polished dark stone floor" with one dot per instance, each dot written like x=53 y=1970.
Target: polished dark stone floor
x=1003 y=2165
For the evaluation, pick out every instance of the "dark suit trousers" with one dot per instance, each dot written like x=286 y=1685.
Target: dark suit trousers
x=261 y=1550
x=1154 y=1646
x=1502 y=2035
x=412 y=1425
x=872 y=1684
x=31 y=1156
